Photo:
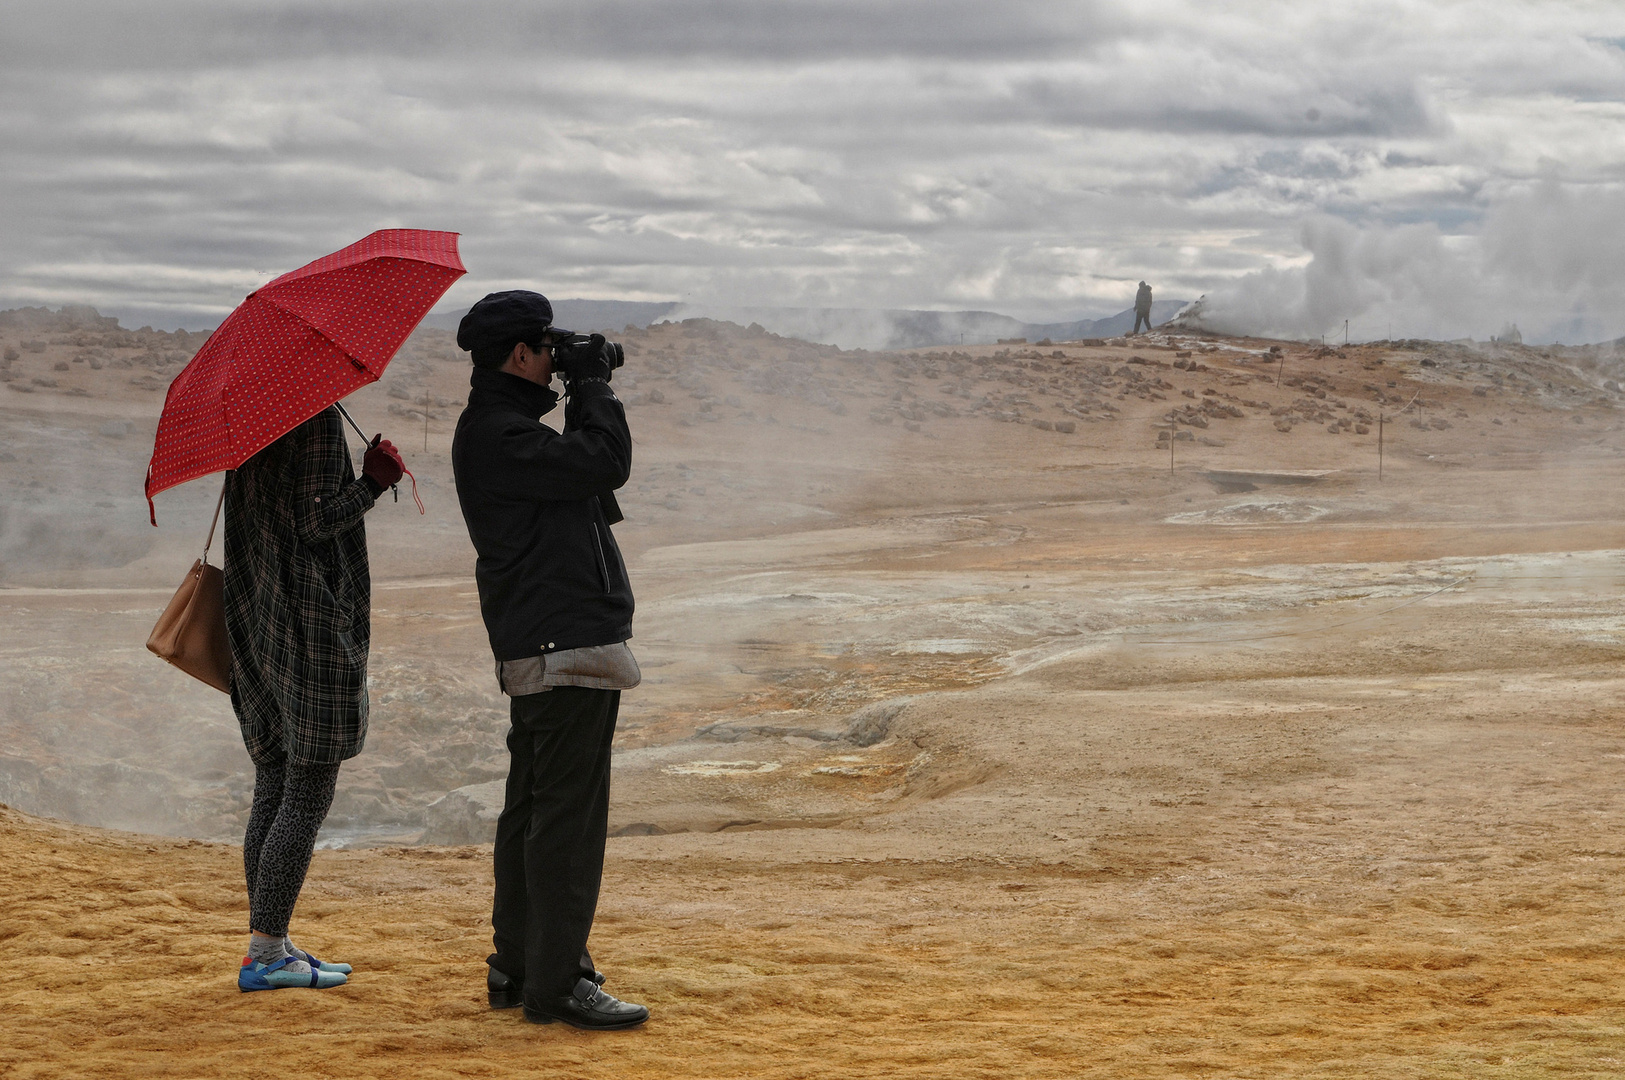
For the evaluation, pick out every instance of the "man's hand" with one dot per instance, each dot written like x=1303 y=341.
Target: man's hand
x=383 y=463
x=586 y=361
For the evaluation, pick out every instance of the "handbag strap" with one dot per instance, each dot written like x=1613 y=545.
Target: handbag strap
x=218 y=504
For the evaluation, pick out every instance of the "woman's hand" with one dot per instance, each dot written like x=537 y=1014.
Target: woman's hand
x=383 y=463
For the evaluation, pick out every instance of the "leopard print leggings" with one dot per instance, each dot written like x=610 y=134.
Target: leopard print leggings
x=290 y=803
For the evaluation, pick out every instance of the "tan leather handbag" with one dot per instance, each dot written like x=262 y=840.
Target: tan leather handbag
x=191 y=633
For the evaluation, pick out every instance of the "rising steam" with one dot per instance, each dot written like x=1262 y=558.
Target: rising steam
x=1546 y=259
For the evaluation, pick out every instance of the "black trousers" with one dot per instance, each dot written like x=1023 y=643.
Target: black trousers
x=550 y=838
x=1139 y=318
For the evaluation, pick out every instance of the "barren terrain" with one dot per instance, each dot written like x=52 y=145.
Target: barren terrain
x=983 y=732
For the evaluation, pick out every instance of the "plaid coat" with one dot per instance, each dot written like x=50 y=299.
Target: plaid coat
x=298 y=597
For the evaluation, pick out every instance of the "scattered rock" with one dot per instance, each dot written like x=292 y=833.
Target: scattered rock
x=730 y=731
x=722 y=768
x=467 y=815
x=639 y=828
x=872 y=723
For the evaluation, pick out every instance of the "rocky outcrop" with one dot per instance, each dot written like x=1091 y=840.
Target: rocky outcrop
x=467 y=815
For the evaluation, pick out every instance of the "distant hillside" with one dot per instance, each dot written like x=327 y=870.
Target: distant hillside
x=849 y=328
x=1111 y=326
x=67 y=317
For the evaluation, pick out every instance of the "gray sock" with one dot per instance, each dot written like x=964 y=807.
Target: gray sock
x=293 y=950
x=266 y=950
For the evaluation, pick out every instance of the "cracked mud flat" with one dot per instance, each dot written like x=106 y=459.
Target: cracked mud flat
x=980 y=764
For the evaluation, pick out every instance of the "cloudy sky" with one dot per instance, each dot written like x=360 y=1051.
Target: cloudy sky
x=1418 y=168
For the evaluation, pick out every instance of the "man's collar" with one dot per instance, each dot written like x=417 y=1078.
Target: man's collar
x=532 y=399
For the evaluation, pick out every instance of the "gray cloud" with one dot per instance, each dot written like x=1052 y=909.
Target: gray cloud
x=187 y=31
x=1039 y=158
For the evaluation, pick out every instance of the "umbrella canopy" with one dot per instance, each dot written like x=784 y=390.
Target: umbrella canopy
x=294 y=347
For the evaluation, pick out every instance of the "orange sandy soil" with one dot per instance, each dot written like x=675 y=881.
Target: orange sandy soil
x=1321 y=836
x=1346 y=930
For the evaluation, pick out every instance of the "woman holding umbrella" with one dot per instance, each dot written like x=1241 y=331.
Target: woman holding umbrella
x=259 y=398
x=298 y=603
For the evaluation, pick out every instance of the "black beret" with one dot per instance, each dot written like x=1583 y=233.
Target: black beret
x=502 y=318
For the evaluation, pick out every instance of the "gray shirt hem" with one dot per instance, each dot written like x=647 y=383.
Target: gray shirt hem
x=599 y=667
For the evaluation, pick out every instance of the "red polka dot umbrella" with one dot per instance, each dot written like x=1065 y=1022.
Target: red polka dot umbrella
x=294 y=347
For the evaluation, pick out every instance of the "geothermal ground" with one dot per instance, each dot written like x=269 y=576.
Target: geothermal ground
x=982 y=734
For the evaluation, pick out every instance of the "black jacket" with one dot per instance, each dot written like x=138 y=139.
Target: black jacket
x=538 y=506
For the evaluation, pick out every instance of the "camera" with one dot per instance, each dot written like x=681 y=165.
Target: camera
x=578 y=354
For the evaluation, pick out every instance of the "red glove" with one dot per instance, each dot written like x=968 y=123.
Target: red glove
x=383 y=463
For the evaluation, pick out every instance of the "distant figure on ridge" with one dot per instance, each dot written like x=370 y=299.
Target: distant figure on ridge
x=1142 y=308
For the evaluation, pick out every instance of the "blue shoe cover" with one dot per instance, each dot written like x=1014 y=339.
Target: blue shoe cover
x=323 y=965
x=319 y=965
x=285 y=973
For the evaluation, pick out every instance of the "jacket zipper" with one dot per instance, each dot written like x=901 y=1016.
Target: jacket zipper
x=603 y=566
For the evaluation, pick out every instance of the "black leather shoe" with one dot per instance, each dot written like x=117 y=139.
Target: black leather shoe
x=588 y=1007
x=506 y=993
x=503 y=992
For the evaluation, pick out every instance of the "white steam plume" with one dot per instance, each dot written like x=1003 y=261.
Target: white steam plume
x=1547 y=259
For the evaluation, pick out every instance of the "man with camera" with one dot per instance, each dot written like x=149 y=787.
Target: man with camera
x=557 y=606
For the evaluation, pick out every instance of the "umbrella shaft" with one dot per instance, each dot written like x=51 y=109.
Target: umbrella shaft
x=346 y=414
x=366 y=443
